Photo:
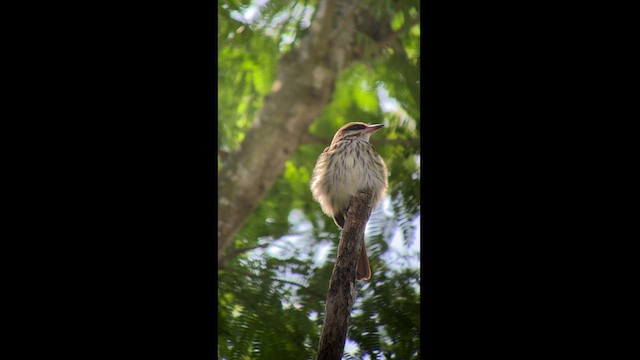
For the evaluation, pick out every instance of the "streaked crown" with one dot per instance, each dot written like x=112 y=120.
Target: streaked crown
x=354 y=130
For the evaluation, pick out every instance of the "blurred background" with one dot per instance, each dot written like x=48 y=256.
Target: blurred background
x=273 y=277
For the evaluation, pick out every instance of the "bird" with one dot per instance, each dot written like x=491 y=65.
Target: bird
x=350 y=164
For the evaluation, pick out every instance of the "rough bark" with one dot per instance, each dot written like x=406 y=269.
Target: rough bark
x=304 y=84
x=342 y=286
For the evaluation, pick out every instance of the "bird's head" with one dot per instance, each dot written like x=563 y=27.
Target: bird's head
x=355 y=130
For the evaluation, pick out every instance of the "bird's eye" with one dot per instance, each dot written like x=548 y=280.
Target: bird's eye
x=356 y=127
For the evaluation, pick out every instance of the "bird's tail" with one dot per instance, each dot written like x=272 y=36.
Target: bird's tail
x=363 y=272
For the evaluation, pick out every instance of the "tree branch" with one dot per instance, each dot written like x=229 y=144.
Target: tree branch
x=321 y=27
x=233 y=253
x=253 y=276
x=342 y=288
x=346 y=18
x=230 y=254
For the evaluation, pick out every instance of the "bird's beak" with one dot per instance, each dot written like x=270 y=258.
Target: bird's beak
x=373 y=128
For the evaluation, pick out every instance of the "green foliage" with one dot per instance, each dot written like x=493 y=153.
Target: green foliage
x=271 y=298
x=388 y=319
x=246 y=69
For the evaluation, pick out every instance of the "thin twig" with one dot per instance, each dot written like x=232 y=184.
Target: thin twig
x=235 y=252
x=254 y=276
